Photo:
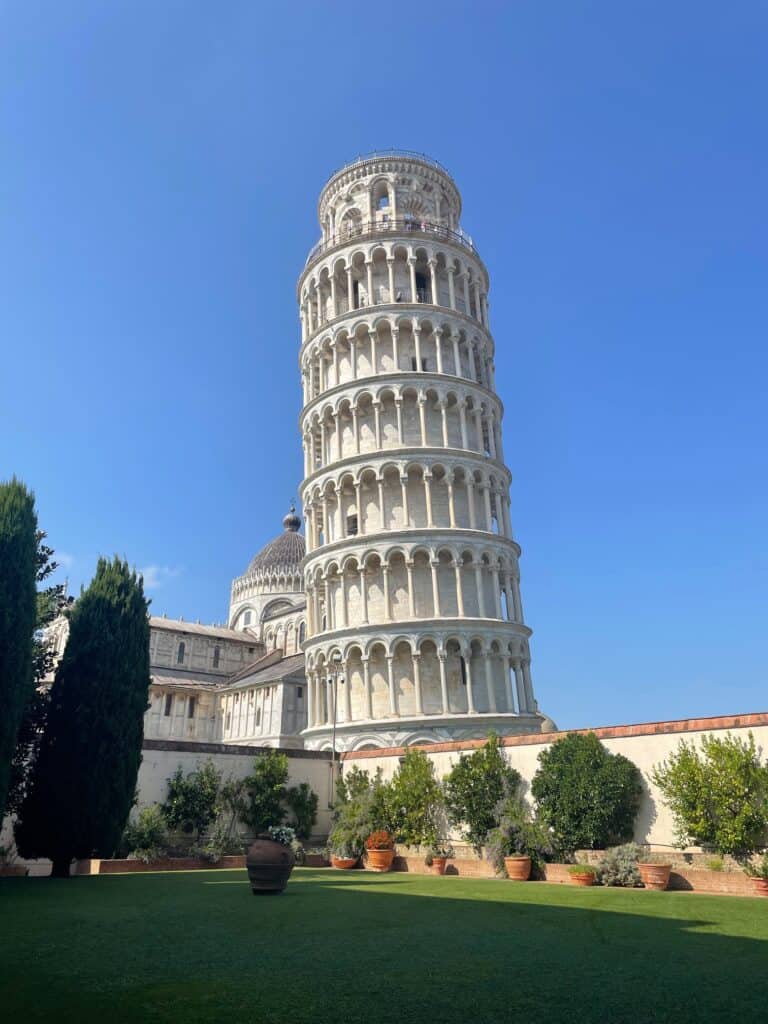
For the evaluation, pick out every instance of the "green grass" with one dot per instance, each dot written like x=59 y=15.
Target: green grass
x=347 y=947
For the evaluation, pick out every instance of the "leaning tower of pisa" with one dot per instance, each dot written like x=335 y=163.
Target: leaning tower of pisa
x=415 y=627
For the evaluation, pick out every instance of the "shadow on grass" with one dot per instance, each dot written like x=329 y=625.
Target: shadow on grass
x=405 y=948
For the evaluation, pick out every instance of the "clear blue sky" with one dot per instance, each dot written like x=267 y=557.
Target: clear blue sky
x=161 y=164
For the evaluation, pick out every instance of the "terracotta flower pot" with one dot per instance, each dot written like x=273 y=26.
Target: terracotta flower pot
x=655 y=876
x=13 y=871
x=518 y=867
x=380 y=860
x=269 y=866
x=760 y=885
x=582 y=878
x=438 y=865
x=344 y=863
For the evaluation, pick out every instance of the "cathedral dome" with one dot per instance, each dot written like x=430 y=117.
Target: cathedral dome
x=285 y=551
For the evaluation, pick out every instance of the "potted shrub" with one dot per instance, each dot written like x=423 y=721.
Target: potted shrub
x=438 y=856
x=654 y=876
x=8 y=866
x=582 y=874
x=317 y=857
x=380 y=850
x=619 y=866
x=519 y=843
x=343 y=856
x=758 y=874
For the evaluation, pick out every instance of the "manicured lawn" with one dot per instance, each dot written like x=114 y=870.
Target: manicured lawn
x=348 y=947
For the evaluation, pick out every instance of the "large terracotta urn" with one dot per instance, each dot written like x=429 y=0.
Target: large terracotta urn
x=269 y=865
x=518 y=868
x=438 y=865
x=655 y=876
x=760 y=886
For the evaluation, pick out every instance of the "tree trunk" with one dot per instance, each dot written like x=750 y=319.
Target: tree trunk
x=60 y=867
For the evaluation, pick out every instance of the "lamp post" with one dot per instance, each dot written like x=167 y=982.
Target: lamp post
x=336 y=665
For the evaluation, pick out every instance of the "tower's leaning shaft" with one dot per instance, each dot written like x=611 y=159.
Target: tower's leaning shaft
x=415 y=622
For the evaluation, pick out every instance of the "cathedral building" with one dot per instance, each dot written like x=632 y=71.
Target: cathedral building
x=398 y=619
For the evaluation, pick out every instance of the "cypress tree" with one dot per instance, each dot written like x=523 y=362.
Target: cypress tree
x=18 y=610
x=84 y=779
x=50 y=602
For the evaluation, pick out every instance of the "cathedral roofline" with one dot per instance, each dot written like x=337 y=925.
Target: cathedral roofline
x=282 y=668
x=198 y=629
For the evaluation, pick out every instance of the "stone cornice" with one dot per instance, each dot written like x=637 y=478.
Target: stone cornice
x=418 y=629
x=388 y=455
x=404 y=378
x=420 y=536
x=193 y=747
x=405 y=309
x=398 y=238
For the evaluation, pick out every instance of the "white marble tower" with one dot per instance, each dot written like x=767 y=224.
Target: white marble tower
x=415 y=627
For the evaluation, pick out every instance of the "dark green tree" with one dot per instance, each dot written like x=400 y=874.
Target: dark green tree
x=718 y=794
x=362 y=806
x=51 y=602
x=475 y=787
x=415 y=799
x=265 y=792
x=586 y=795
x=302 y=802
x=84 y=779
x=18 y=612
x=192 y=801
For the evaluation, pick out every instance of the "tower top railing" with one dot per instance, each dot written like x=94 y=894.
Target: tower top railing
x=403 y=225
x=389 y=154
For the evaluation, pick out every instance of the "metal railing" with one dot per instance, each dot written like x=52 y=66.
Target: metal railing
x=404 y=225
x=389 y=154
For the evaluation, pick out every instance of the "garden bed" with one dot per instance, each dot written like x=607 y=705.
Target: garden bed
x=683 y=878
x=733 y=883
x=120 y=866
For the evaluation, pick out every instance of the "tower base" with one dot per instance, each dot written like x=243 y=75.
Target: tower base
x=406 y=732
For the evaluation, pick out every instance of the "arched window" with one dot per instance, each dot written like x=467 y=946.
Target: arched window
x=247 y=619
x=302 y=632
x=180 y=653
x=383 y=203
x=216 y=656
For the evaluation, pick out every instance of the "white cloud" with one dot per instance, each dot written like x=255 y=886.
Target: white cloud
x=157 y=575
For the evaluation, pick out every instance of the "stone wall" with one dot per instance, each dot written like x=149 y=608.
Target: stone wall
x=161 y=759
x=645 y=745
